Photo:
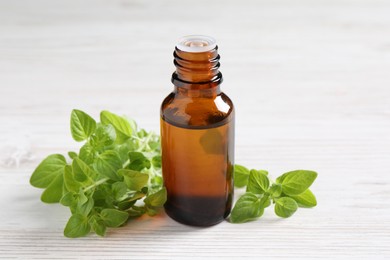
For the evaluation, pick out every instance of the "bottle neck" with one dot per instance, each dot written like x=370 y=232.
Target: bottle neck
x=197 y=72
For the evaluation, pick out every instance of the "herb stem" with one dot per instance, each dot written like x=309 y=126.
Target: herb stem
x=99 y=182
x=145 y=142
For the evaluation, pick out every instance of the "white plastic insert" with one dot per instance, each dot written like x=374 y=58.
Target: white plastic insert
x=196 y=43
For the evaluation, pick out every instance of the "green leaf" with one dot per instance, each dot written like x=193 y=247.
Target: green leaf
x=142 y=133
x=305 y=199
x=241 y=176
x=129 y=202
x=145 y=190
x=260 y=171
x=72 y=155
x=81 y=198
x=70 y=183
x=157 y=181
x=53 y=193
x=98 y=226
x=104 y=135
x=48 y=170
x=121 y=125
x=154 y=145
x=125 y=205
x=138 y=161
x=81 y=171
x=114 y=217
x=265 y=201
x=136 y=211
x=156 y=161
x=156 y=199
x=103 y=196
x=275 y=190
x=132 y=123
x=124 y=149
x=67 y=200
x=285 y=207
x=119 y=189
x=77 y=226
x=85 y=204
x=81 y=125
x=136 y=196
x=247 y=208
x=87 y=153
x=107 y=164
x=151 y=212
x=258 y=182
x=296 y=182
x=133 y=179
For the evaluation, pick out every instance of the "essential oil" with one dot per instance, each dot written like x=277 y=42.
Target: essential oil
x=197 y=137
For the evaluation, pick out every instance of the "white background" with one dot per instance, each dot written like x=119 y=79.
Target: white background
x=310 y=81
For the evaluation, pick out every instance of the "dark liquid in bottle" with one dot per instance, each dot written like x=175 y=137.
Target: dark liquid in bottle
x=197 y=170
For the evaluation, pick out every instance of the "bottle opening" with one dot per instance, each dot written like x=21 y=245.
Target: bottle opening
x=196 y=43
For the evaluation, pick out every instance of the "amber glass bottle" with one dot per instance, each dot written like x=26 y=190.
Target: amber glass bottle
x=197 y=137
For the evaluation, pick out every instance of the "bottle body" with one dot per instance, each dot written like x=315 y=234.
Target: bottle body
x=197 y=141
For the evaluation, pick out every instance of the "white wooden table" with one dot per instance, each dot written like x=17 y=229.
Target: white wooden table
x=310 y=81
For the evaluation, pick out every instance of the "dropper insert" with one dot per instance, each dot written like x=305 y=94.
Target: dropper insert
x=196 y=43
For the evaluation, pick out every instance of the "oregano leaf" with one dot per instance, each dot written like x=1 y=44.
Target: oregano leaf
x=53 y=193
x=98 y=226
x=285 y=207
x=296 y=182
x=122 y=126
x=81 y=125
x=156 y=199
x=48 y=170
x=81 y=170
x=134 y=180
x=258 y=182
x=247 y=208
x=114 y=217
x=138 y=161
x=275 y=190
x=70 y=182
x=241 y=176
x=77 y=226
x=107 y=164
x=306 y=199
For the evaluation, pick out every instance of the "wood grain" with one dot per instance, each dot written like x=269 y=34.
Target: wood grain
x=310 y=81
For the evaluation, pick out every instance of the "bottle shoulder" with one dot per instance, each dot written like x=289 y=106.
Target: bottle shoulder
x=197 y=111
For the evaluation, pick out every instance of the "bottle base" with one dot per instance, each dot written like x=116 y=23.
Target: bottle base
x=197 y=211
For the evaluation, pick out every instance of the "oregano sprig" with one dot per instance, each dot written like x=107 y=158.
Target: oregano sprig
x=116 y=175
x=290 y=191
